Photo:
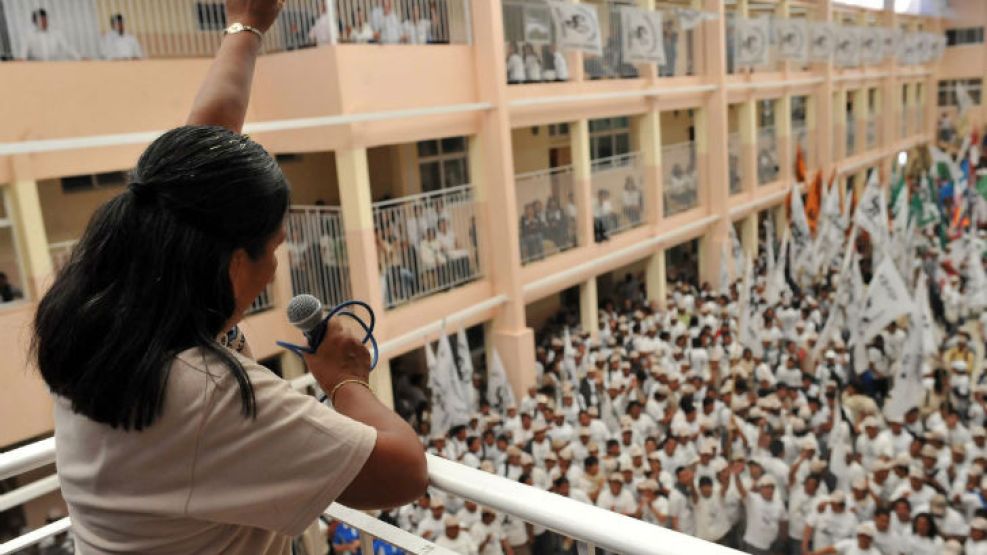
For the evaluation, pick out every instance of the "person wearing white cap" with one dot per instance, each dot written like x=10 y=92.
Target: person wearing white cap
x=453 y=540
x=896 y=435
x=916 y=489
x=766 y=519
x=712 y=522
x=886 y=539
x=831 y=525
x=681 y=501
x=432 y=524
x=863 y=544
x=615 y=497
x=976 y=543
x=870 y=445
x=949 y=521
x=488 y=534
x=924 y=538
x=804 y=499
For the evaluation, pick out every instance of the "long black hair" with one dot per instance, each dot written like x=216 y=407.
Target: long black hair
x=150 y=275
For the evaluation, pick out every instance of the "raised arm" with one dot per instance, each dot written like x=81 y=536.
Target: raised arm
x=224 y=95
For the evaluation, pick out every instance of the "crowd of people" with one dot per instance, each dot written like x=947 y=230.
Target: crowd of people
x=41 y=43
x=787 y=447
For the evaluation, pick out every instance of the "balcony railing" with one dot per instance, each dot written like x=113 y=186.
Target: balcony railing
x=534 y=54
x=588 y=526
x=547 y=212
x=426 y=244
x=767 y=155
x=618 y=193
x=800 y=140
x=407 y=21
x=680 y=177
x=183 y=29
x=735 y=163
x=316 y=245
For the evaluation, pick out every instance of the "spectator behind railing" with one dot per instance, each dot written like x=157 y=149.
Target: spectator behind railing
x=321 y=31
x=45 y=45
x=385 y=23
x=526 y=65
x=118 y=44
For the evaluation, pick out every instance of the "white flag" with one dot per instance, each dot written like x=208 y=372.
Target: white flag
x=465 y=376
x=439 y=383
x=872 y=212
x=737 y=253
x=887 y=300
x=963 y=99
x=822 y=41
x=499 y=392
x=892 y=37
x=976 y=281
x=940 y=157
x=569 y=358
x=926 y=322
x=724 y=271
x=752 y=39
x=641 y=33
x=792 y=36
x=776 y=279
x=908 y=389
x=577 y=26
x=847 y=50
x=801 y=245
x=748 y=324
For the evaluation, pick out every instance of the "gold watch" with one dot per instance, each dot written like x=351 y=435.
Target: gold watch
x=240 y=27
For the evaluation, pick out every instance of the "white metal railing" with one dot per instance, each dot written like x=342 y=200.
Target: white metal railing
x=767 y=155
x=735 y=163
x=401 y=21
x=317 y=256
x=618 y=192
x=547 y=212
x=182 y=29
x=60 y=253
x=595 y=527
x=426 y=243
x=680 y=177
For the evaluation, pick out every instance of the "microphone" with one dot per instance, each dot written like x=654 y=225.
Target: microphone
x=305 y=313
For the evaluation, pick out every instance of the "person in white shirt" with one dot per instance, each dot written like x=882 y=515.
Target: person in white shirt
x=515 y=64
x=416 y=29
x=118 y=44
x=432 y=525
x=44 y=45
x=488 y=534
x=615 y=497
x=862 y=545
x=766 y=520
x=532 y=64
x=321 y=31
x=712 y=522
x=385 y=23
x=453 y=540
x=560 y=64
x=833 y=524
x=924 y=538
x=976 y=544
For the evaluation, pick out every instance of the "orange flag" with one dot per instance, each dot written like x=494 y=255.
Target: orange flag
x=800 y=171
x=813 y=201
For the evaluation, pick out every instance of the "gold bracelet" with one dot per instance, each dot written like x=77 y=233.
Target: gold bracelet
x=335 y=389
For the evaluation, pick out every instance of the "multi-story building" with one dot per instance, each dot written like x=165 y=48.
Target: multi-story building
x=382 y=142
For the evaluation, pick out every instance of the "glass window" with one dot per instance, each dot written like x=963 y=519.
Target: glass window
x=431 y=174
x=453 y=144
x=609 y=137
x=428 y=148
x=443 y=163
x=623 y=145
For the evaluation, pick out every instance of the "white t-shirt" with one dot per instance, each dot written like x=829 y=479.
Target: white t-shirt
x=463 y=543
x=712 y=522
x=764 y=520
x=480 y=531
x=321 y=31
x=47 y=46
x=120 y=47
x=680 y=507
x=850 y=547
x=203 y=478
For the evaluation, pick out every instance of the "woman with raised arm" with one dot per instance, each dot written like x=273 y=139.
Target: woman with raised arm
x=170 y=437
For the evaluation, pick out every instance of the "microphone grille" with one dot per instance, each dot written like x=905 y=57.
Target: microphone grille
x=304 y=312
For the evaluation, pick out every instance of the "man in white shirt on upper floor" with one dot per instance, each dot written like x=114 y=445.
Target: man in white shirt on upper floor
x=45 y=45
x=321 y=31
x=118 y=44
x=386 y=24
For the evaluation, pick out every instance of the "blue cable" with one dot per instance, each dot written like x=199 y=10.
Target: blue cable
x=340 y=310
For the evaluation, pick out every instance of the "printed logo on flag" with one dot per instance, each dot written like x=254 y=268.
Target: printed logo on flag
x=792 y=36
x=821 y=41
x=752 y=40
x=577 y=26
x=642 y=35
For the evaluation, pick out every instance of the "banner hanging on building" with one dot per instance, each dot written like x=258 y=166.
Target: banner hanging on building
x=871 y=45
x=792 y=37
x=577 y=26
x=847 y=50
x=689 y=19
x=642 y=35
x=821 y=41
x=752 y=39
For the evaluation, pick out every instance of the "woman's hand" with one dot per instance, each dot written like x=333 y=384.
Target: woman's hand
x=341 y=356
x=259 y=14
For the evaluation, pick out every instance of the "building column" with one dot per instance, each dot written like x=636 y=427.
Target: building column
x=589 y=308
x=656 y=280
x=492 y=169
x=811 y=136
x=861 y=111
x=748 y=238
x=649 y=139
x=716 y=183
x=839 y=125
x=582 y=180
x=356 y=206
x=29 y=230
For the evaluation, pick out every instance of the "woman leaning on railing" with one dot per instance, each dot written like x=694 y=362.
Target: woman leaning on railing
x=170 y=437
